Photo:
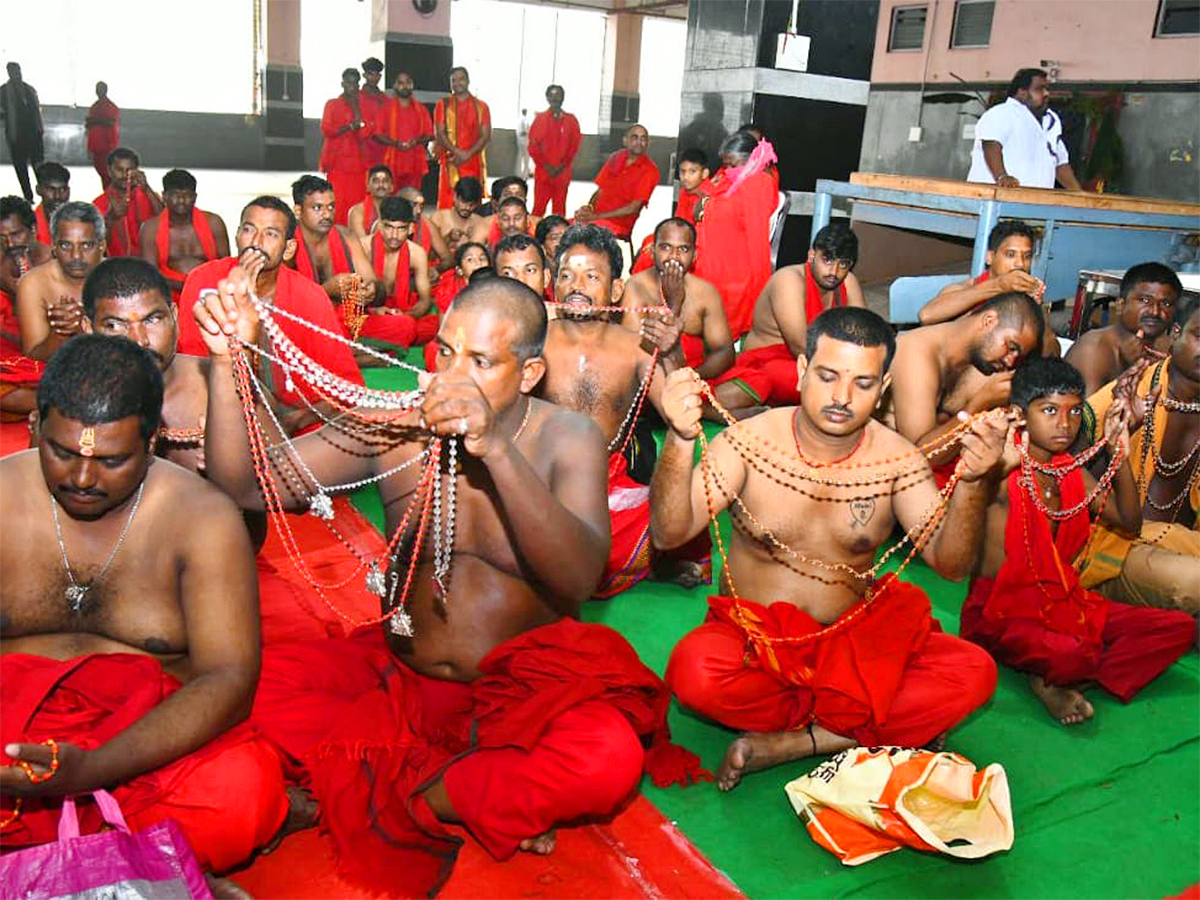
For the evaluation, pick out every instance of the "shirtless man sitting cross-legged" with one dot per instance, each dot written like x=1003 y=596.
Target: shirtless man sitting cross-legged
x=875 y=671
x=129 y=642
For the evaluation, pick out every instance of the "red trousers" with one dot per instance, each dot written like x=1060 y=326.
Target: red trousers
x=942 y=683
x=402 y=330
x=348 y=189
x=552 y=191
x=1137 y=645
x=767 y=374
x=227 y=796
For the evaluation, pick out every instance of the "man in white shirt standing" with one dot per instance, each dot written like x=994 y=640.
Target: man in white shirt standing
x=1018 y=143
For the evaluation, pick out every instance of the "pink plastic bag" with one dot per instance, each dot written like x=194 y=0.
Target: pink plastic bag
x=155 y=863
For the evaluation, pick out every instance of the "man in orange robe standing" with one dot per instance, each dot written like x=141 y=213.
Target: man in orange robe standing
x=343 y=156
x=733 y=228
x=554 y=140
x=405 y=131
x=463 y=128
x=623 y=186
x=103 y=124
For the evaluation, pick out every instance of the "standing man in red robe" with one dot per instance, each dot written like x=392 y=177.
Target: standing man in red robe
x=554 y=140
x=343 y=156
x=405 y=132
x=463 y=128
x=54 y=187
x=103 y=124
x=623 y=186
x=374 y=104
x=733 y=227
x=182 y=237
x=127 y=202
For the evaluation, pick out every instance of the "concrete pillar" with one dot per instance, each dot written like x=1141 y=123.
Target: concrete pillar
x=284 y=96
x=620 y=100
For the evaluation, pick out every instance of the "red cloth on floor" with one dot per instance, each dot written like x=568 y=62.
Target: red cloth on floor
x=1035 y=616
x=619 y=184
x=123 y=238
x=43 y=224
x=552 y=142
x=530 y=743
x=227 y=796
x=768 y=374
x=289 y=608
x=883 y=677
x=405 y=123
x=631 y=555
x=733 y=244
x=294 y=294
x=343 y=157
x=463 y=122
x=162 y=241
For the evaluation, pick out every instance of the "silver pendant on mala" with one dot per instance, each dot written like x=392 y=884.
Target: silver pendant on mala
x=401 y=622
x=376 y=582
x=321 y=505
x=75 y=595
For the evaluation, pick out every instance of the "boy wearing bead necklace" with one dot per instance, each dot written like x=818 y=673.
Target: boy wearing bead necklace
x=1026 y=605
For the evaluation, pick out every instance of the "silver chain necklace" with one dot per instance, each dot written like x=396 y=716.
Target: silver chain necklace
x=76 y=593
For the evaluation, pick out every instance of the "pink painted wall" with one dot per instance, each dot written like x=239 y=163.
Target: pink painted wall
x=1093 y=40
x=400 y=16
x=283 y=33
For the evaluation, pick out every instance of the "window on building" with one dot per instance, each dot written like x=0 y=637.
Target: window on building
x=908 y=28
x=1178 y=17
x=972 y=23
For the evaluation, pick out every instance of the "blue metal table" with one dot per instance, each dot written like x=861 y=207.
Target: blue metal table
x=1080 y=230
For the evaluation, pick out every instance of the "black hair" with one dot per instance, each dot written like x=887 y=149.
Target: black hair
x=351 y=71
x=1023 y=79
x=462 y=69
x=694 y=155
x=483 y=273
x=546 y=225
x=372 y=64
x=123 y=153
x=19 y=207
x=267 y=201
x=1006 y=229
x=97 y=379
x=740 y=142
x=380 y=168
x=1150 y=273
x=1184 y=310
x=48 y=172
x=395 y=209
x=462 y=251
x=678 y=223
x=77 y=211
x=469 y=188
x=307 y=185
x=1040 y=376
x=1014 y=308
x=601 y=240
x=837 y=241
x=179 y=180
x=515 y=243
x=514 y=302
x=551 y=87
x=501 y=183
x=122 y=276
x=853 y=325
x=511 y=201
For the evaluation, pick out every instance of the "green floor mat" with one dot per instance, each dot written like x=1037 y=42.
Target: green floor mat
x=1109 y=808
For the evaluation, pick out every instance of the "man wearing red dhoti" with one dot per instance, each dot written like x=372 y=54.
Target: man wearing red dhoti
x=103 y=125
x=182 y=236
x=375 y=105
x=127 y=202
x=623 y=186
x=121 y=673
x=528 y=718
x=343 y=155
x=405 y=133
x=1026 y=605
x=554 y=140
x=407 y=315
x=733 y=228
x=462 y=125
x=828 y=654
x=265 y=240
x=54 y=187
x=765 y=371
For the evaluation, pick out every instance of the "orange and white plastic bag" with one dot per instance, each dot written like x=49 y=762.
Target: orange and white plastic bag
x=868 y=801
